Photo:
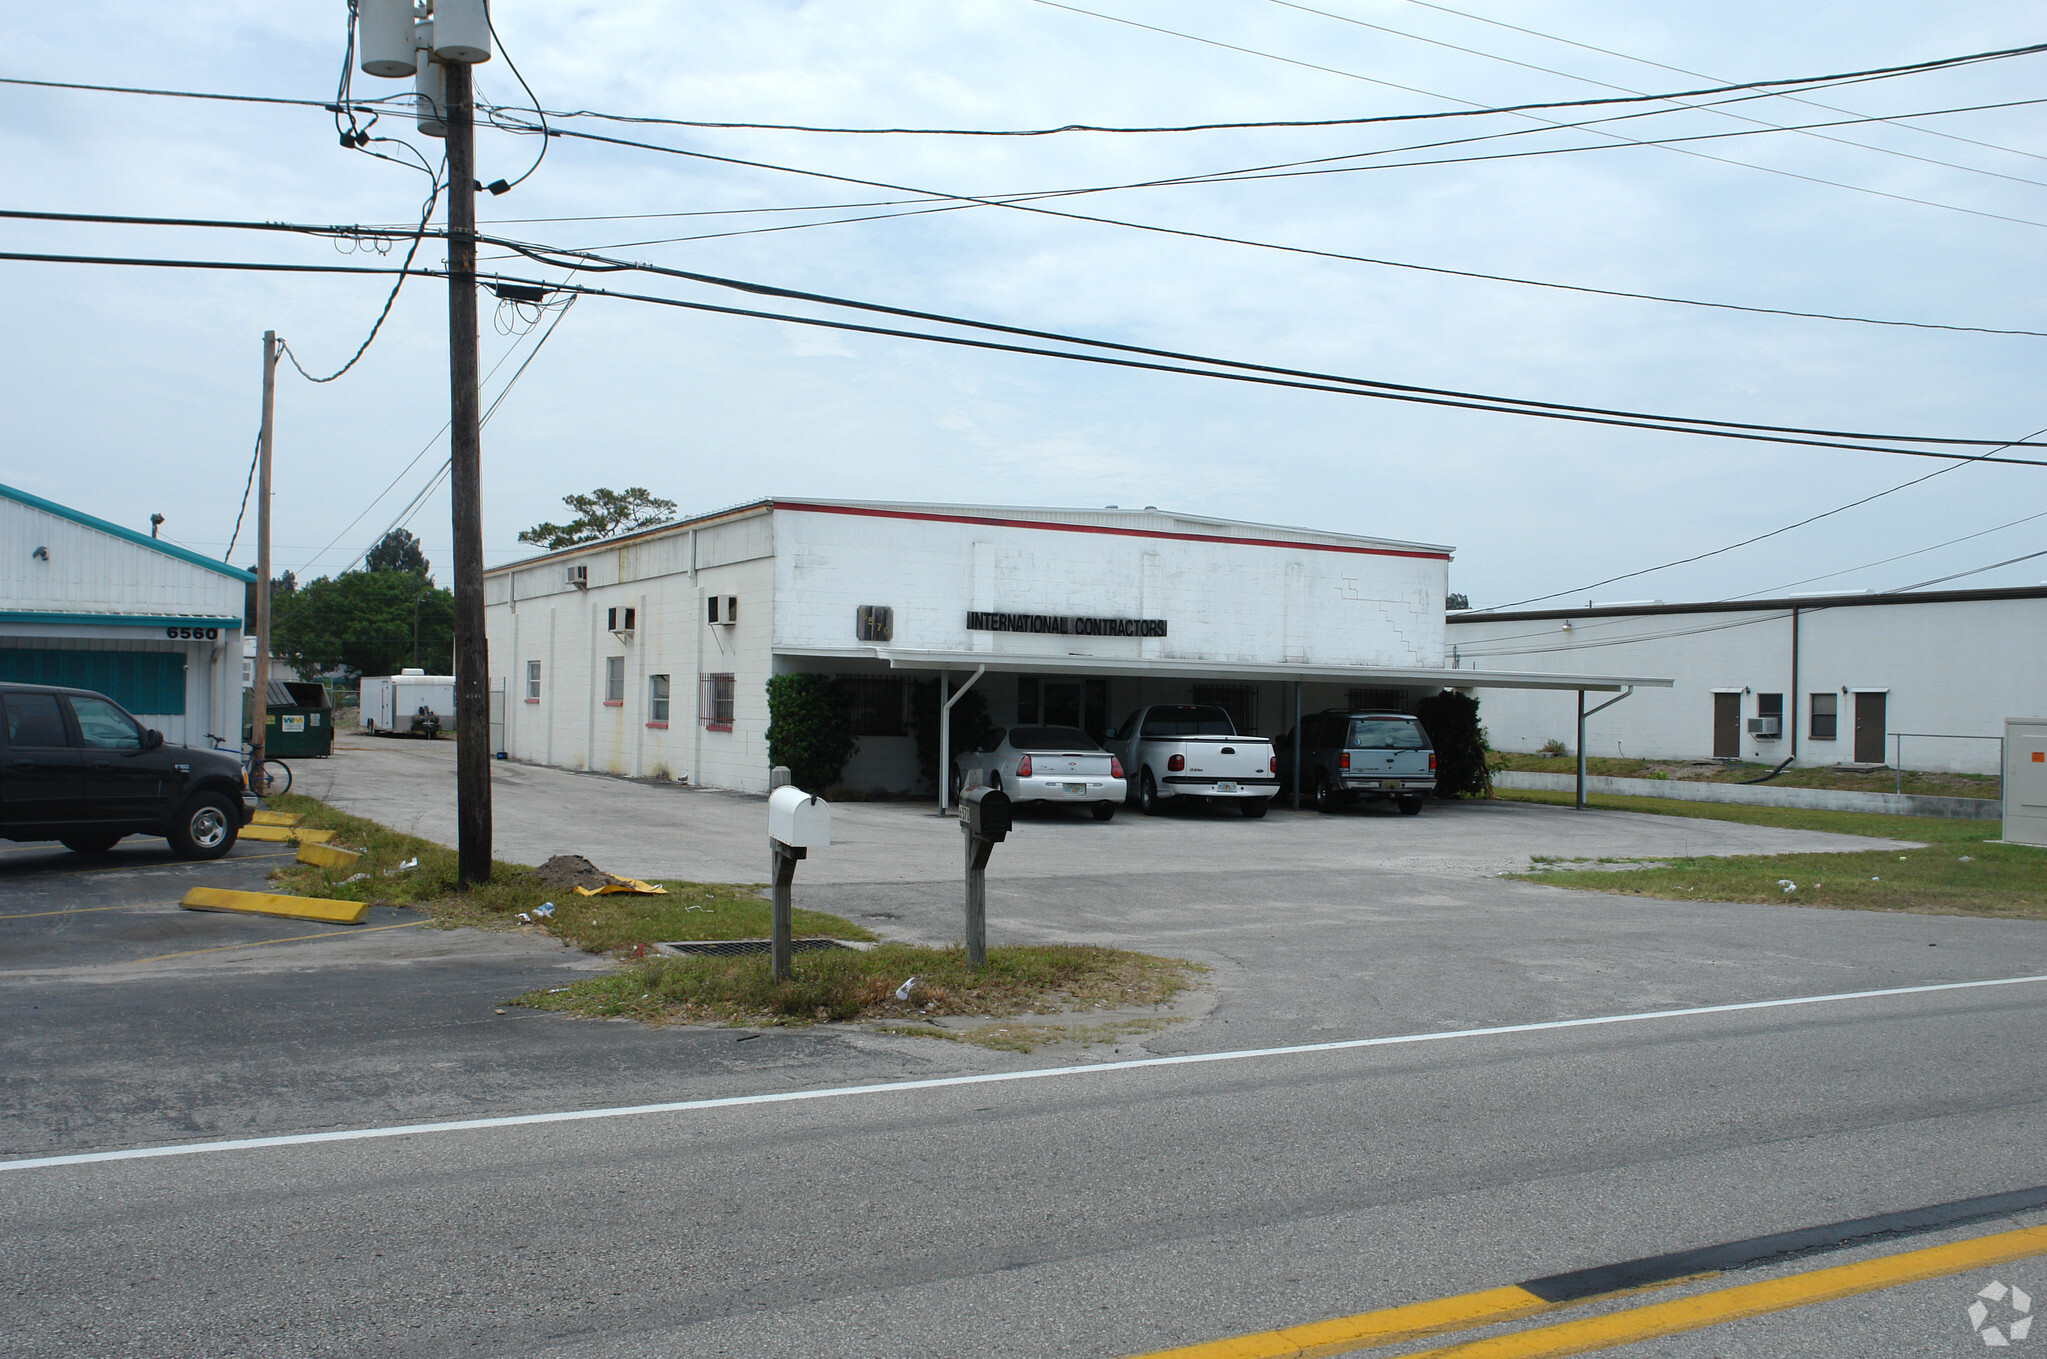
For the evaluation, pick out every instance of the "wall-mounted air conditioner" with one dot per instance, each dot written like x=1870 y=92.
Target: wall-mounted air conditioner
x=1765 y=728
x=723 y=609
x=579 y=575
x=620 y=627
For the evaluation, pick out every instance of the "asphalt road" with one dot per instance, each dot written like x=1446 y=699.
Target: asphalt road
x=1106 y=1210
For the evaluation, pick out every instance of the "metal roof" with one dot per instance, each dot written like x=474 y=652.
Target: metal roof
x=183 y=554
x=900 y=658
x=1782 y=602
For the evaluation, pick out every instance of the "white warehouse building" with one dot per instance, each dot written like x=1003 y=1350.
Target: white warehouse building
x=92 y=605
x=649 y=655
x=1925 y=678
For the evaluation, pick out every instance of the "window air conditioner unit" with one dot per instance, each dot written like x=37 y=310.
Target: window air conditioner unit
x=1769 y=728
x=723 y=609
x=579 y=575
x=623 y=630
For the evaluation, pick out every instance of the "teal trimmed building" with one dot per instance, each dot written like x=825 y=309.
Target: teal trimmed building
x=93 y=605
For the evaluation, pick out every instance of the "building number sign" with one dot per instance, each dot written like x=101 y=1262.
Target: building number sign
x=193 y=634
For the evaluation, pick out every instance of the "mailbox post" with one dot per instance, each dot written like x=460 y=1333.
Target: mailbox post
x=797 y=824
x=984 y=823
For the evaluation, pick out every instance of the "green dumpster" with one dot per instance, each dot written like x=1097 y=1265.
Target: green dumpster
x=300 y=724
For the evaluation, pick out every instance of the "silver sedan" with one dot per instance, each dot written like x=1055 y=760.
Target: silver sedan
x=1052 y=765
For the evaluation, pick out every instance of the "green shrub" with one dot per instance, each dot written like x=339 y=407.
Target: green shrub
x=810 y=728
x=1452 y=722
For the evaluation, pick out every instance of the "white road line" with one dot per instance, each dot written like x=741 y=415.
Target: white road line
x=988 y=1078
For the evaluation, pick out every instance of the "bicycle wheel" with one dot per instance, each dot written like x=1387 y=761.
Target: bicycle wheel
x=271 y=778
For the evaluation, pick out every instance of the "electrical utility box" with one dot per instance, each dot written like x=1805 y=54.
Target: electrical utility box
x=2025 y=780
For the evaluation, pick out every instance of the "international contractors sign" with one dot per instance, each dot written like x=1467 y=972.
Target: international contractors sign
x=1064 y=625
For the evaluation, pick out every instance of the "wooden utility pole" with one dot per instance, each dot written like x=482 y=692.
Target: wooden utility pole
x=465 y=485
x=259 y=699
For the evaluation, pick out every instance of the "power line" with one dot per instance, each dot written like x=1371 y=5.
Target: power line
x=1700 y=75
x=1244 y=371
x=1605 y=85
x=426 y=214
x=254 y=454
x=1886 y=561
x=1810 y=519
x=1189 y=234
x=1373 y=80
x=1939 y=580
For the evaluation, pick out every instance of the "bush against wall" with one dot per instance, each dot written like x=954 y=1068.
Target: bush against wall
x=969 y=724
x=1452 y=722
x=810 y=728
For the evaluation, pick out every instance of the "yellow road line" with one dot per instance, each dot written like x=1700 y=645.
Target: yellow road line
x=257 y=943
x=133 y=868
x=82 y=910
x=1382 y=1327
x=1748 y=1300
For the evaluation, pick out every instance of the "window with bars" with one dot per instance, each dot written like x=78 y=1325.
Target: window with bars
x=877 y=703
x=1240 y=701
x=614 y=679
x=1376 y=700
x=717 y=702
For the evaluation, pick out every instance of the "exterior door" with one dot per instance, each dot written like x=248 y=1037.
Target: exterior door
x=1869 y=728
x=121 y=780
x=1726 y=726
x=1062 y=703
x=39 y=779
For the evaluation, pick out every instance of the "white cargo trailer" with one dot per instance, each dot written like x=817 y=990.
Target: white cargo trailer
x=410 y=703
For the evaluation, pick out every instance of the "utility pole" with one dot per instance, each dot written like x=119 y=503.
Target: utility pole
x=465 y=487
x=259 y=705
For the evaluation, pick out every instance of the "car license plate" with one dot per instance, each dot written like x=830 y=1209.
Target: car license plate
x=1226 y=788
x=1389 y=783
x=1076 y=788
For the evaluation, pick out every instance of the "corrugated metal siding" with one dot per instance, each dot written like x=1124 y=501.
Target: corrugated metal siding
x=140 y=681
x=88 y=571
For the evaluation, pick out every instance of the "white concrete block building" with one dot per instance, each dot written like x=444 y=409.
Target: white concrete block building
x=93 y=605
x=648 y=655
x=1828 y=679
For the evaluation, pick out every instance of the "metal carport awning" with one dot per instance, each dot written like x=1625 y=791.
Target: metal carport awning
x=978 y=663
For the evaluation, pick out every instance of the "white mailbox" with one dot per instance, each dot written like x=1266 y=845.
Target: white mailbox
x=799 y=820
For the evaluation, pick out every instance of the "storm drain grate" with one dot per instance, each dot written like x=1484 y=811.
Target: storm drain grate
x=731 y=948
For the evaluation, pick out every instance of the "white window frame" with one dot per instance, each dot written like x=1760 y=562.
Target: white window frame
x=614 y=681
x=658 y=689
x=533 y=681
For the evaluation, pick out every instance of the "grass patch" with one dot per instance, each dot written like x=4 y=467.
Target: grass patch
x=1925 y=784
x=608 y=924
x=1960 y=871
x=1940 y=829
x=847 y=984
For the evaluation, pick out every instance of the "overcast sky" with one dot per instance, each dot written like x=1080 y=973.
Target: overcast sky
x=132 y=391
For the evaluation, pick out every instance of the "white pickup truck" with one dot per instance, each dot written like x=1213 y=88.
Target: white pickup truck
x=1190 y=750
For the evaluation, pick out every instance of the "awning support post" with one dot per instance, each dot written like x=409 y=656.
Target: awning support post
x=1583 y=713
x=945 y=732
x=1297 y=745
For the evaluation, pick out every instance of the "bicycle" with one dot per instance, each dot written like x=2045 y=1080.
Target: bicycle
x=267 y=779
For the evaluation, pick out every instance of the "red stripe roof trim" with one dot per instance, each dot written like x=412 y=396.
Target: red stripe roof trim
x=812 y=507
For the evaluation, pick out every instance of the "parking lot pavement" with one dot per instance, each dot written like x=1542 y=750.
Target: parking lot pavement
x=706 y=835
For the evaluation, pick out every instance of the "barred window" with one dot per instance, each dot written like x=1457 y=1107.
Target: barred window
x=717 y=702
x=877 y=704
x=1376 y=700
x=1240 y=701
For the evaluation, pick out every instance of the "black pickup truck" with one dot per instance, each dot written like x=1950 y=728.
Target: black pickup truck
x=76 y=768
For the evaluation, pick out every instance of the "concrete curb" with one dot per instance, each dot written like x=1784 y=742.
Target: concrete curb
x=1761 y=795
x=322 y=909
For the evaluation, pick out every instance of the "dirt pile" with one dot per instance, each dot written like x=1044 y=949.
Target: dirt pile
x=573 y=870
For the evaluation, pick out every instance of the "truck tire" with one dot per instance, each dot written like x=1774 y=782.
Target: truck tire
x=1148 y=795
x=1105 y=811
x=1255 y=807
x=957 y=784
x=1411 y=806
x=97 y=842
x=205 y=827
x=1325 y=796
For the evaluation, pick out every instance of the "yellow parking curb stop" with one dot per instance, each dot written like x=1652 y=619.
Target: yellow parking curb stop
x=266 y=817
x=311 y=837
x=282 y=835
x=327 y=856
x=267 y=903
